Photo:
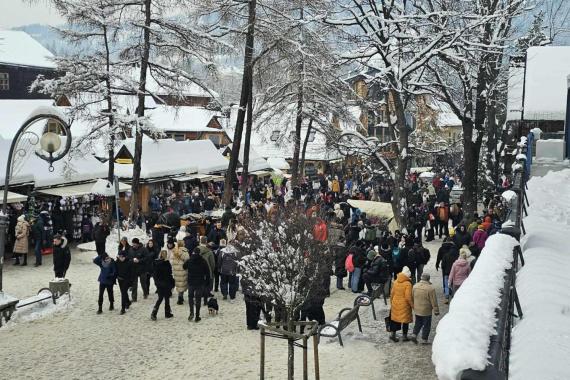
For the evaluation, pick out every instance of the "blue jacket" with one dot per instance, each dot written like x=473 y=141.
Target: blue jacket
x=108 y=272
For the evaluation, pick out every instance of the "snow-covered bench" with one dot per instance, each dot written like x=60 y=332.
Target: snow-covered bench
x=43 y=294
x=368 y=300
x=333 y=329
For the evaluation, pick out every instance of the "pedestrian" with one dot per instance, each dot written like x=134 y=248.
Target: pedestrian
x=198 y=275
x=422 y=258
x=425 y=303
x=401 y=305
x=252 y=305
x=61 y=256
x=228 y=266
x=124 y=246
x=377 y=271
x=125 y=274
x=208 y=256
x=460 y=270
x=141 y=260
x=358 y=261
x=100 y=233
x=480 y=237
x=22 y=233
x=217 y=253
x=162 y=274
x=179 y=257
x=340 y=254
x=86 y=229
x=106 y=279
x=190 y=241
x=446 y=256
x=461 y=237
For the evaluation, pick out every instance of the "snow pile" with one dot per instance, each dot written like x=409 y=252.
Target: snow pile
x=542 y=284
x=509 y=195
x=40 y=310
x=463 y=335
x=113 y=240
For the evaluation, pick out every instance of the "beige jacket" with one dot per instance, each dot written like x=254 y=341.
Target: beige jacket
x=425 y=301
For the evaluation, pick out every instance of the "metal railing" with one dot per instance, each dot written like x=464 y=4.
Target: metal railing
x=500 y=344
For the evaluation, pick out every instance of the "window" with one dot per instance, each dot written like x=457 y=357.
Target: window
x=178 y=136
x=53 y=126
x=275 y=135
x=4 y=82
x=215 y=139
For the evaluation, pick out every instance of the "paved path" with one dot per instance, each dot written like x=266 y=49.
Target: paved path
x=78 y=344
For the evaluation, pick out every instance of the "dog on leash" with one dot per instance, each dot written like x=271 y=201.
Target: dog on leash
x=213 y=306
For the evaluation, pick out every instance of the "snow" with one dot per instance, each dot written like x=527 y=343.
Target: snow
x=20 y=49
x=113 y=240
x=515 y=93
x=16 y=112
x=183 y=119
x=509 y=195
x=521 y=156
x=40 y=310
x=463 y=335
x=550 y=149
x=328 y=330
x=546 y=90
x=540 y=341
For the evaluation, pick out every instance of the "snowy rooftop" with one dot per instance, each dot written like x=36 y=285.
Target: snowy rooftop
x=13 y=113
x=546 y=75
x=19 y=48
x=445 y=116
x=182 y=119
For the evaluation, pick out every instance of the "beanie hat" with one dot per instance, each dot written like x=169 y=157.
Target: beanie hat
x=371 y=255
x=406 y=271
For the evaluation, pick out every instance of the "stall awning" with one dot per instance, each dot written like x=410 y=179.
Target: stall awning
x=201 y=177
x=261 y=173
x=78 y=190
x=218 y=178
x=14 y=197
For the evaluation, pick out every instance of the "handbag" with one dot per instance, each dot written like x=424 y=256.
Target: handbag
x=46 y=251
x=388 y=321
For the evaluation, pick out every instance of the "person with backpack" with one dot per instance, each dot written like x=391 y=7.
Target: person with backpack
x=228 y=267
x=340 y=255
x=422 y=258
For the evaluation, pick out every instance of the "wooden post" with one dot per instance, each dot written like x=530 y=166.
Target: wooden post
x=305 y=371
x=316 y=352
x=262 y=354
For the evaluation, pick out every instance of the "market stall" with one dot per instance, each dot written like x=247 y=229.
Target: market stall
x=382 y=210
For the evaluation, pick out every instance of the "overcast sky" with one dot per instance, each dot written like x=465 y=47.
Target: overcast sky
x=20 y=12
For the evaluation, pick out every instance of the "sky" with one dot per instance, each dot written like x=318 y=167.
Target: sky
x=20 y=12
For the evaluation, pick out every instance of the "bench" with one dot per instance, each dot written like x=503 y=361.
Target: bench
x=43 y=294
x=7 y=307
x=368 y=300
x=345 y=317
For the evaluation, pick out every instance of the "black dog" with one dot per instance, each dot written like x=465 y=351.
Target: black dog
x=213 y=306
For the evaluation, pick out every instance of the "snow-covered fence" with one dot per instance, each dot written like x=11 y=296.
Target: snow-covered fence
x=473 y=340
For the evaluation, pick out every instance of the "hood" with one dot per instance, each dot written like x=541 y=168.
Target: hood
x=63 y=242
x=337 y=206
x=22 y=218
x=229 y=249
x=461 y=262
x=402 y=278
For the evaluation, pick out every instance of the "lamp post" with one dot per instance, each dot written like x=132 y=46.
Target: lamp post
x=50 y=144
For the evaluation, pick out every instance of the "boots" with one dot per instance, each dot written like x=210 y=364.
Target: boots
x=100 y=310
x=111 y=308
x=25 y=256
x=153 y=314
x=180 y=299
x=393 y=337
x=198 y=319
x=414 y=338
x=191 y=316
x=17 y=257
x=405 y=338
x=168 y=312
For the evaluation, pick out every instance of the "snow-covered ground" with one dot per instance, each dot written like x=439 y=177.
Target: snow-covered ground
x=541 y=341
x=76 y=343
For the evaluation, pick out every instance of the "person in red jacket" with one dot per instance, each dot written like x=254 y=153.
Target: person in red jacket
x=320 y=231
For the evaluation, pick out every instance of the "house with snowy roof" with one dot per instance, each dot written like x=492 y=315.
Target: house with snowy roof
x=22 y=59
x=538 y=91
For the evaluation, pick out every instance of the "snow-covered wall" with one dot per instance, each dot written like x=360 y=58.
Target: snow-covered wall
x=463 y=335
x=540 y=341
x=550 y=149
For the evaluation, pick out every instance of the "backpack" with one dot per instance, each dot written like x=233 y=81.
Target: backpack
x=348 y=264
x=370 y=234
x=425 y=256
x=396 y=255
x=412 y=257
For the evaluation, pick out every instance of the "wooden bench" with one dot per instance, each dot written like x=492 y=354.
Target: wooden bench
x=43 y=294
x=377 y=291
x=345 y=317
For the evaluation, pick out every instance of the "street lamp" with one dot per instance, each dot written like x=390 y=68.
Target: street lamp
x=50 y=144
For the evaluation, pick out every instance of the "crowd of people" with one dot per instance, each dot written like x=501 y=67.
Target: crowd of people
x=362 y=248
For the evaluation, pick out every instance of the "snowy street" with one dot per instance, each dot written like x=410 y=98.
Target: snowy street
x=77 y=343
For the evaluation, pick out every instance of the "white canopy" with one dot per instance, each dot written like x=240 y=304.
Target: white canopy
x=98 y=188
x=201 y=177
x=14 y=197
x=377 y=209
x=278 y=163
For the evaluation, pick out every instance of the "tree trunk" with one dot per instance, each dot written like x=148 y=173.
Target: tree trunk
x=246 y=79
x=471 y=166
x=297 y=149
x=247 y=142
x=399 y=205
x=290 y=349
x=140 y=111
x=304 y=151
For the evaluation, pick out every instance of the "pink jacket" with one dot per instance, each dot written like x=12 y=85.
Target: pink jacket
x=479 y=238
x=459 y=272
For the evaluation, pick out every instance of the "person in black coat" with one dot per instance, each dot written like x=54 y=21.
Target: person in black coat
x=377 y=272
x=142 y=262
x=340 y=254
x=61 y=256
x=125 y=276
x=164 y=282
x=446 y=256
x=100 y=233
x=252 y=305
x=198 y=282
x=216 y=234
x=190 y=240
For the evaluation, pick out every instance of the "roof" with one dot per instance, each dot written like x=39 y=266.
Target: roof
x=547 y=69
x=20 y=49
x=13 y=113
x=183 y=119
x=445 y=116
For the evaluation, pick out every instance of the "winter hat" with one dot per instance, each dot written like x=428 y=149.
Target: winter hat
x=371 y=255
x=136 y=241
x=406 y=271
x=21 y=218
x=425 y=277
